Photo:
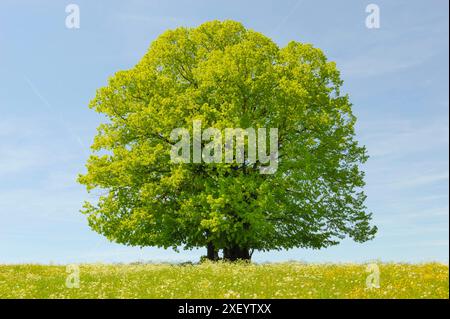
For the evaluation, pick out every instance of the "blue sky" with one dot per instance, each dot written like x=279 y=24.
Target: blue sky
x=396 y=76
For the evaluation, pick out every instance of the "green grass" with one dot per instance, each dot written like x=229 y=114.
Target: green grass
x=224 y=280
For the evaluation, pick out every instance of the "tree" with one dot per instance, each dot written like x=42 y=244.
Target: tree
x=227 y=76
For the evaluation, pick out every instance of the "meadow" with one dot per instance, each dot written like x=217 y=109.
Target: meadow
x=223 y=280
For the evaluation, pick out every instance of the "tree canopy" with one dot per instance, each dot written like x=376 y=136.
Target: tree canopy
x=227 y=76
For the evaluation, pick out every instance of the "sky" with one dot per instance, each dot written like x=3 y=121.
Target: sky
x=396 y=76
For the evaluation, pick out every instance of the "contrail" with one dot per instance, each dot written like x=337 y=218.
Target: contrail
x=60 y=117
x=286 y=17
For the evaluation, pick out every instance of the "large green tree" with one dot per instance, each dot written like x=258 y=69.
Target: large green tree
x=227 y=76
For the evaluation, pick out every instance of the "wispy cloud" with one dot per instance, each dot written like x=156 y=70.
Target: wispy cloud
x=398 y=216
x=391 y=137
x=424 y=244
x=387 y=52
x=381 y=62
x=420 y=179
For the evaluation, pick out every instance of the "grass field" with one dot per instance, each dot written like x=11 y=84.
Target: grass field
x=224 y=280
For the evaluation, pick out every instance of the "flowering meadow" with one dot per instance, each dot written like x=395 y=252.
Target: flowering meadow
x=224 y=280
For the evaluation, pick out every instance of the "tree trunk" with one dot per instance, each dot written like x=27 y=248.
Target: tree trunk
x=235 y=253
x=212 y=253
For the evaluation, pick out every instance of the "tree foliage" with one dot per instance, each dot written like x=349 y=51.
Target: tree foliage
x=227 y=76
